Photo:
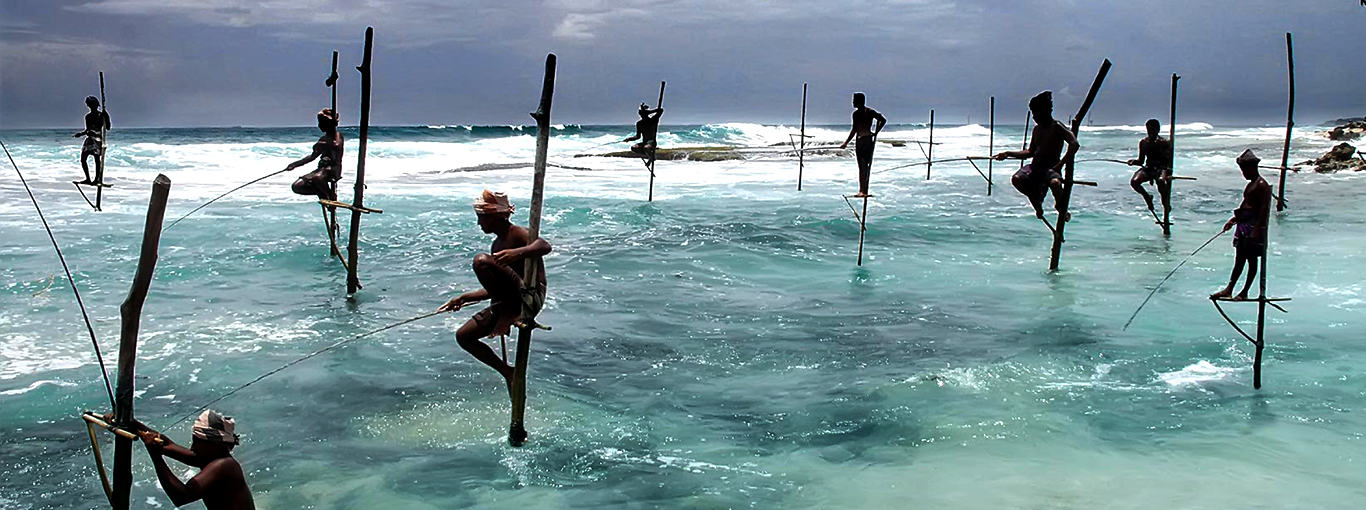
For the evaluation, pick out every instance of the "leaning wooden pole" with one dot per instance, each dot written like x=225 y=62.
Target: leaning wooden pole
x=801 y=150
x=353 y=248
x=104 y=149
x=1070 y=170
x=1171 y=140
x=517 y=429
x=131 y=314
x=991 y=140
x=1289 y=121
x=929 y=155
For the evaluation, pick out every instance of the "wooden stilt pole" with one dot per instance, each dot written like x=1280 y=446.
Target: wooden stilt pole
x=1171 y=140
x=517 y=429
x=991 y=141
x=131 y=315
x=353 y=248
x=862 y=227
x=801 y=151
x=331 y=224
x=1070 y=169
x=650 y=165
x=929 y=157
x=104 y=149
x=1289 y=121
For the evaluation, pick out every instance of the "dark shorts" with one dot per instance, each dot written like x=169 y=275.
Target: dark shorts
x=863 y=150
x=499 y=315
x=1038 y=178
x=1248 y=247
x=1150 y=173
x=91 y=147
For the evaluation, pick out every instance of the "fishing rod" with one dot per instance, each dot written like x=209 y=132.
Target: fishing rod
x=206 y=204
x=300 y=360
x=84 y=315
x=1169 y=275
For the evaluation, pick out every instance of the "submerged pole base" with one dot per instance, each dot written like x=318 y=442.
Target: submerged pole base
x=516 y=434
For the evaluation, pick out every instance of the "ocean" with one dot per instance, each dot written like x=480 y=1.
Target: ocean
x=717 y=347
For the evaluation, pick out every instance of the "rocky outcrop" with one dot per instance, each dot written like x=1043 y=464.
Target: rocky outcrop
x=1341 y=157
x=1348 y=131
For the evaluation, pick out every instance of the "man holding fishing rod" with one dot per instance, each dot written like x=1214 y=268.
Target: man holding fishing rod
x=1250 y=218
x=1155 y=164
x=867 y=138
x=328 y=151
x=647 y=130
x=220 y=483
x=501 y=274
x=1045 y=147
x=96 y=124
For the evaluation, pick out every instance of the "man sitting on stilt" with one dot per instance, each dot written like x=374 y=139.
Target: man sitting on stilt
x=328 y=151
x=220 y=482
x=647 y=129
x=1045 y=147
x=867 y=138
x=96 y=124
x=1155 y=162
x=1249 y=240
x=500 y=273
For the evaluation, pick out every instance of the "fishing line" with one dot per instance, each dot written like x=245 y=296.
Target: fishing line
x=206 y=204
x=1169 y=275
x=88 y=327
x=300 y=360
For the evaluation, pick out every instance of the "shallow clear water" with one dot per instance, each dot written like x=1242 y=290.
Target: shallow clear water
x=716 y=348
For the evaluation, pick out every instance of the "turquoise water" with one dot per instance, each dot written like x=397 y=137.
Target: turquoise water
x=717 y=348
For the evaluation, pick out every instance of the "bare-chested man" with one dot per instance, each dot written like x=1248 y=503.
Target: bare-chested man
x=220 y=483
x=647 y=129
x=501 y=273
x=1155 y=160
x=867 y=138
x=96 y=125
x=328 y=151
x=1045 y=147
x=1249 y=240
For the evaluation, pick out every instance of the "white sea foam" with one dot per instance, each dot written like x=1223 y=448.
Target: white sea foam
x=1197 y=374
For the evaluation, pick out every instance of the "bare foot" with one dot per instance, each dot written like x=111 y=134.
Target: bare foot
x=860 y=194
x=86 y=181
x=1064 y=216
x=1240 y=297
x=1221 y=294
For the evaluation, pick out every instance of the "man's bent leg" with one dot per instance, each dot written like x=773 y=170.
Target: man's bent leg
x=501 y=282
x=1140 y=177
x=470 y=337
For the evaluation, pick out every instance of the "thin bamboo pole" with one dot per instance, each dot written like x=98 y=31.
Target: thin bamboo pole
x=929 y=156
x=353 y=248
x=131 y=314
x=801 y=152
x=651 y=164
x=331 y=224
x=1171 y=141
x=1289 y=120
x=862 y=227
x=991 y=141
x=517 y=429
x=104 y=149
x=1261 y=312
x=1070 y=170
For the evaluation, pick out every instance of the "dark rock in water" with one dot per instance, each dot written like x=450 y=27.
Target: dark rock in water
x=1341 y=157
x=1349 y=131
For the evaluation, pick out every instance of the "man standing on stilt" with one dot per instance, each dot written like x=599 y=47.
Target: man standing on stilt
x=500 y=274
x=1155 y=162
x=96 y=124
x=867 y=138
x=1249 y=240
x=1045 y=147
x=647 y=128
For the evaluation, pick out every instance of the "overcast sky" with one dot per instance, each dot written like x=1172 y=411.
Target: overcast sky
x=262 y=62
